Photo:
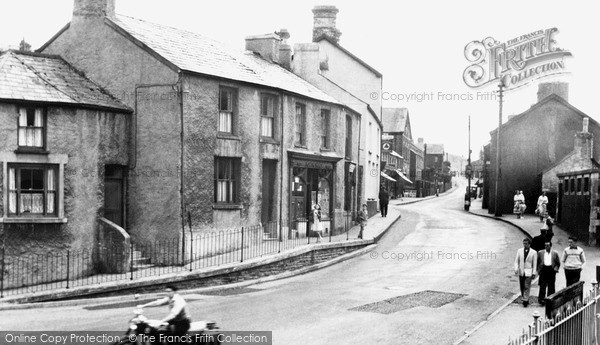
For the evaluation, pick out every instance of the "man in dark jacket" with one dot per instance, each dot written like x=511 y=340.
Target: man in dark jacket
x=537 y=243
x=384 y=199
x=547 y=266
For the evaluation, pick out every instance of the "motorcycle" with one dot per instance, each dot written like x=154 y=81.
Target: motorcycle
x=144 y=331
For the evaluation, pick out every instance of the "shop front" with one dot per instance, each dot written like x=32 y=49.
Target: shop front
x=312 y=183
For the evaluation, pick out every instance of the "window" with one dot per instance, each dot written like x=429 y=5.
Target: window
x=268 y=109
x=586 y=184
x=325 y=122
x=32 y=190
x=348 y=137
x=579 y=185
x=227 y=178
x=300 y=124
x=572 y=189
x=31 y=127
x=227 y=103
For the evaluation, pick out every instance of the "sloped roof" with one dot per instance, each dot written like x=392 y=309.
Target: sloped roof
x=347 y=52
x=394 y=119
x=196 y=53
x=553 y=97
x=48 y=78
x=435 y=149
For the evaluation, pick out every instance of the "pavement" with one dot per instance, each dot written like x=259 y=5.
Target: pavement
x=511 y=319
x=376 y=227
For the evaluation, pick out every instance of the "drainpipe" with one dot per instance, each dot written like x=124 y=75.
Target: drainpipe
x=182 y=174
x=358 y=162
x=281 y=175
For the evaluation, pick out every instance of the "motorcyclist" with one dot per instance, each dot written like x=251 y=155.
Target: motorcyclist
x=178 y=319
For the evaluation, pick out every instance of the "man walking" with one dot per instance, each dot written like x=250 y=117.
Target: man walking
x=573 y=259
x=384 y=199
x=538 y=242
x=525 y=268
x=548 y=263
x=542 y=207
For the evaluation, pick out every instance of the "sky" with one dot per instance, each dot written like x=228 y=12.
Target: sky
x=418 y=46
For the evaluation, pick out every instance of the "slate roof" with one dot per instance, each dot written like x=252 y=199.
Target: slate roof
x=196 y=53
x=394 y=119
x=435 y=149
x=49 y=78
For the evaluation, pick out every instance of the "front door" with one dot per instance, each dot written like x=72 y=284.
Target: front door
x=114 y=192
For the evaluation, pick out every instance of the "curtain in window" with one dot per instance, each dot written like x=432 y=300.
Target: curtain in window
x=31 y=132
x=51 y=192
x=225 y=181
x=266 y=126
x=225 y=121
x=12 y=186
x=32 y=203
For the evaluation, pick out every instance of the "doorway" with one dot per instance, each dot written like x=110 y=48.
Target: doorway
x=114 y=194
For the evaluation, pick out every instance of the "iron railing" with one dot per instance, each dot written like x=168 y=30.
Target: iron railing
x=575 y=325
x=130 y=260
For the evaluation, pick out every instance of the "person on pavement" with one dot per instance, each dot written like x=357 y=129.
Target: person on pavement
x=178 y=319
x=363 y=215
x=542 y=207
x=573 y=259
x=525 y=268
x=547 y=266
x=384 y=199
x=538 y=242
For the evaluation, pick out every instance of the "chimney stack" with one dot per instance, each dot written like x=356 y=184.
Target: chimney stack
x=265 y=45
x=94 y=8
x=285 y=50
x=561 y=89
x=324 y=23
x=584 y=140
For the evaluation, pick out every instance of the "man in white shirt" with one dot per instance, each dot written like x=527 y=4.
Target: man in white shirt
x=542 y=206
x=547 y=267
x=573 y=260
x=178 y=319
x=525 y=268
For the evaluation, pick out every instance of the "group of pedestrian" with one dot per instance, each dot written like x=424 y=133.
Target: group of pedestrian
x=519 y=204
x=545 y=263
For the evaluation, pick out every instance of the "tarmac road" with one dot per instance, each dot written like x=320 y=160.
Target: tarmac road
x=437 y=273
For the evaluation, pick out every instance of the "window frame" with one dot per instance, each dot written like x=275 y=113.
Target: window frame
x=235 y=177
x=300 y=137
x=274 y=118
x=233 y=111
x=325 y=126
x=44 y=127
x=45 y=190
x=348 y=153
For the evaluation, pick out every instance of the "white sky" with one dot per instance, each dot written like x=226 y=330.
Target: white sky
x=417 y=45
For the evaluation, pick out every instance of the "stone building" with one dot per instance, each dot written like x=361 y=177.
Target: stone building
x=409 y=170
x=338 y=72
x=64 y=145
x=533 y=141
x=223 y=138
x=573 y=184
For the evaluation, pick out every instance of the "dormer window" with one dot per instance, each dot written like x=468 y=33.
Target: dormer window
x=32 y=128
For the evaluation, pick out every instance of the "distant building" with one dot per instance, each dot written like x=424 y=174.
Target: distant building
x=406 y=158
x=526 y=153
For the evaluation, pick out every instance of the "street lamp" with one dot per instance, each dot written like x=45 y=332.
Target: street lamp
x=497 y=196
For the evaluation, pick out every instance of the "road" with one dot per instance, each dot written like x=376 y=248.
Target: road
x=441 y=270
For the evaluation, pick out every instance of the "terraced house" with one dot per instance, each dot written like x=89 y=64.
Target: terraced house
x=221 y=138
x=64 y=143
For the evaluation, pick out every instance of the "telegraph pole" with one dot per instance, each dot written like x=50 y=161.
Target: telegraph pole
x=470 y=169
x=498 y=196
